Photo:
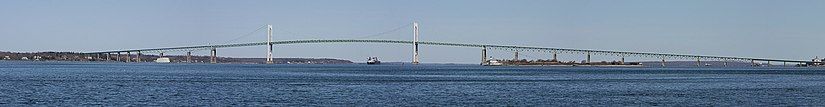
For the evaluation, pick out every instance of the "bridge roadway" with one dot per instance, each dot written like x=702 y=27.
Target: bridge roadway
x=618 y=53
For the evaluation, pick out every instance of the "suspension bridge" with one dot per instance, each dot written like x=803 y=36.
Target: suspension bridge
x=416 y=57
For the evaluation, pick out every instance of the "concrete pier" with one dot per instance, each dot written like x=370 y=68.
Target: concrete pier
x=484 y=55
x=515 y=58
x=588 y=58
x=725 y=62
x=622 y=61
x=128 y=56
x=117 y=58
x=214 y=56
x=663 y=61
x=753 y=63
x=138 y=57
x=189 y=56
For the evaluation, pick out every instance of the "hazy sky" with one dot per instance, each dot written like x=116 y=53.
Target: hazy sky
x=786 y=29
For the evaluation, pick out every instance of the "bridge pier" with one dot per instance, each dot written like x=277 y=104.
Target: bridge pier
x=117 y=58
x=128 y=56
x=725 y=62
x=108 y=56
x=160 y=54
x=138 y=56
x=555 y=56
x=663 y=61
x=588 y=58
x=769 y=63
x=189 y=57
x=515 y=58
x=753 y=63
x=484 y=55
x=698 y=62
x=213 y=59
x=622 y=61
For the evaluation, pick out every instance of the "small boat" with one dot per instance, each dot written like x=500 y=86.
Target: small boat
x=163 y=60
x=494 y=63
x=373 y=60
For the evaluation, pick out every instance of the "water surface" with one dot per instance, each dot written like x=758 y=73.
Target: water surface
x=148 y=84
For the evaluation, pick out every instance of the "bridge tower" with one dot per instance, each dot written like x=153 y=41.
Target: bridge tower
x=415 y=43
x=269 y=42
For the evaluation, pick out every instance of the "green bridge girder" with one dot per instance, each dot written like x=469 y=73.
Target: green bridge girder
x=622 y=53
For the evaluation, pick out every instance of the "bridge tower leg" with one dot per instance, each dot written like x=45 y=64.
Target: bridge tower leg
x=138 y=56
x=189 y=57
x=484 y=55
x=213 y=59
x=269 y=42
x=415 y=43
x=128 y=56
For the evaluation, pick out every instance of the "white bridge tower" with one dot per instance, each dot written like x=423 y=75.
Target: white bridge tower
x=269 y=42
x=415 y=43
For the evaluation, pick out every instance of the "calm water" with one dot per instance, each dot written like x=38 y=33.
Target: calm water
x=118 y=84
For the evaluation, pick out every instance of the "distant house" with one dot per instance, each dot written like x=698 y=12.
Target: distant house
x=24 y=58
x=6 y=58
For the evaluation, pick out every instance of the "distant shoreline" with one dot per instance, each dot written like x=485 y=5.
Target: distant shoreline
x=73 y=56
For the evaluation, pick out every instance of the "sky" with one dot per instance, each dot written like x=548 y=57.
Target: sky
x=782 y=29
